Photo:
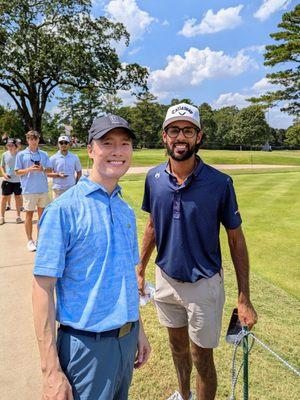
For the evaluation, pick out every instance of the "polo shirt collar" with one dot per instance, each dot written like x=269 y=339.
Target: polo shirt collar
x=30 y=152
x=195 y=172
x=60 y=154
x=89 y=187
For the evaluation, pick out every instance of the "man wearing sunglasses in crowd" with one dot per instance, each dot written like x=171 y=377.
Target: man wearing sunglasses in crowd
x=187 y=200
x=32 y=165
x=64 y=167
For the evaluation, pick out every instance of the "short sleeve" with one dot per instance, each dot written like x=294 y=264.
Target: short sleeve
x=77 y=164
x=146 y=205
x=19 y=164
x=54 y=233
x=230 y=215
x=48 y=163
x=2 y=161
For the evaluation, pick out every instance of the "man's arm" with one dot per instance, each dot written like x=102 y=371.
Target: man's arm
x=144 y=348
x=148 y=246
x=239 y=255
x=3 y=172
x=78 y=175
x=55 y=384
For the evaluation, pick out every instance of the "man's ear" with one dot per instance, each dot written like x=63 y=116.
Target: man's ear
x=164 y=136
x=199 y=136
x=90 y=151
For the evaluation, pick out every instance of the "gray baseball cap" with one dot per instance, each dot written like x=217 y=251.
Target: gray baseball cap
x=102 y=125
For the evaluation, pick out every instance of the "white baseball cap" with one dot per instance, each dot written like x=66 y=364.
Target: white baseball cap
x=182 y=112
x=64 y=139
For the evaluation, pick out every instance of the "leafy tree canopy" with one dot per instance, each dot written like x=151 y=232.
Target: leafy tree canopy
x=286 y=51
x=45 y=44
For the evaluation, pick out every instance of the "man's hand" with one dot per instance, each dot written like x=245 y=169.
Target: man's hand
x=144 y=349
x=56 y=387
x=140 y=273
x=247 y=314
x=6 y=176
x=61 y=175
x=35 y=168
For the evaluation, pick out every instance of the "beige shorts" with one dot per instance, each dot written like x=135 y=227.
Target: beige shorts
x=199 y=306
x=33 y=200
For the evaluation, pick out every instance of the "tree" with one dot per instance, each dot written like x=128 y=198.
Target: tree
x=79 y=108
x=293 y=135
x=287 y=51
x=250 y=127
x=12 y=124
x=224 y=118
x=146 y=119
x=208 y=123
x=45 y=44
x=52 y=127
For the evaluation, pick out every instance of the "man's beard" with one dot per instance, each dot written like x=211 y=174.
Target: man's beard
x=188 y=153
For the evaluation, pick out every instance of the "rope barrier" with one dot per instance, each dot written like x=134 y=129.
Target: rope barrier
x=242 y=337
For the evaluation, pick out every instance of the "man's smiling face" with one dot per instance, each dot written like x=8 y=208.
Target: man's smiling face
x=112 y=154
x=181 y=148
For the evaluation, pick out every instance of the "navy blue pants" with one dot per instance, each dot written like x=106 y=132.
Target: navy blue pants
x=98 y=368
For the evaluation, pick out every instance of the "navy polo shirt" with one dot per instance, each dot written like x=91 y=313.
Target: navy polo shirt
x=187 y=219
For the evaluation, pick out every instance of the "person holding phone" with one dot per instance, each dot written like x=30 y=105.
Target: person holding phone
x=66 y=168
x=11 y=182
x=187 y=201
x=32 y=165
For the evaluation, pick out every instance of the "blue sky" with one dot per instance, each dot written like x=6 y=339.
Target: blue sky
x=208 y=51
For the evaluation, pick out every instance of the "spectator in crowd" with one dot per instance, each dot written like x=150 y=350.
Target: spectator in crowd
x=66 y=168
x=32 y=165
x=11 y=182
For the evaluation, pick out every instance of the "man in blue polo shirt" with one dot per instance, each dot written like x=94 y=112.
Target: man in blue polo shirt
x=32 y=165
x=64 y=165
x=187 y=200
x=88 y=251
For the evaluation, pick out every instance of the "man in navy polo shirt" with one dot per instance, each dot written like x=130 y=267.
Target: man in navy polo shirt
x=187 y=200
x=88 y=251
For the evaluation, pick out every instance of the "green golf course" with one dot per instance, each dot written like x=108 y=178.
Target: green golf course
x=269 y=203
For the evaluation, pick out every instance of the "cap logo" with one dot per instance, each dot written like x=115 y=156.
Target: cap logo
x=181 y=110
x=114 y=119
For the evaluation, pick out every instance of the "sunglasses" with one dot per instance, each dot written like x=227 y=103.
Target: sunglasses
x=63 y=142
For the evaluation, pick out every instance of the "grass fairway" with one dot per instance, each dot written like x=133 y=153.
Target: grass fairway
x=269 y=204
x=148 y=157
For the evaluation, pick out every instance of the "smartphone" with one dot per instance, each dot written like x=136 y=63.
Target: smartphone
x=36 y=162
x=234 y=327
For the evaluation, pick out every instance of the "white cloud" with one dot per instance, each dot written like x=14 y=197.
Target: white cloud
x=134 y=51
x=275 y=117
x=136 y=21
x=263 y=85
x=196 y=66
x=225 y=18
x=256 y=48
x=269 y=7
x=231 y=99
x=165 y=23
x=127 y=98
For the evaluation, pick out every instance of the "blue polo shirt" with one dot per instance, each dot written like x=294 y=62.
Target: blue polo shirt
x=34 y=181
x=88 y=241
x=69 y=164
x=187 y=219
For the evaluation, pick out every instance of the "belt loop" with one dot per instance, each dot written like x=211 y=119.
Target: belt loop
x=98 y=337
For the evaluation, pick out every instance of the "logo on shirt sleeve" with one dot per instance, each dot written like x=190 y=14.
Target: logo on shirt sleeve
x=157 y=175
